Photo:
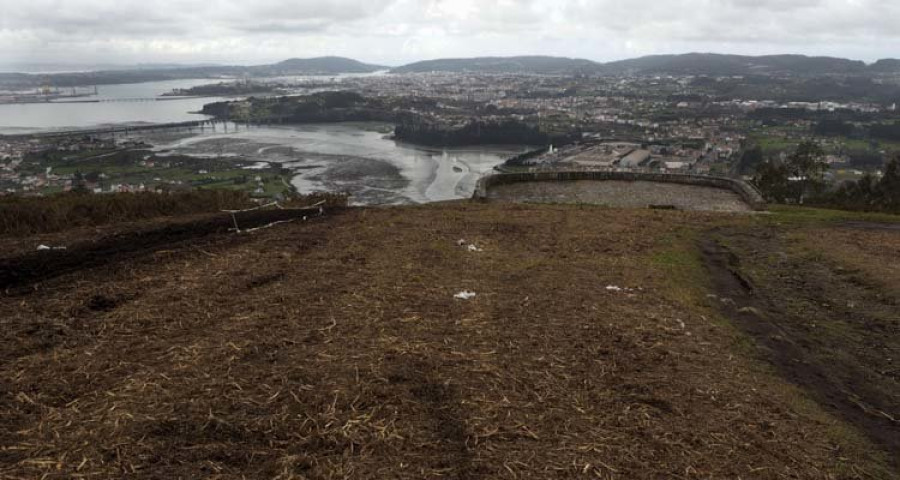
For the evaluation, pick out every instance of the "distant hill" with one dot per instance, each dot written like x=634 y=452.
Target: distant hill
x=150 y=73
x=886 y=65
x=321 y=65
x=717 y=64
x=686 y=64
x=528 y=64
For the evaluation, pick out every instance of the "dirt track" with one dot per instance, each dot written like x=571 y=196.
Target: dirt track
x=823 y=328
x=335 y=349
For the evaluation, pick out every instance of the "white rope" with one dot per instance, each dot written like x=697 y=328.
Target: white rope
x=237 y=228
x=313 y=206
x=255 y=208
x=251 y=230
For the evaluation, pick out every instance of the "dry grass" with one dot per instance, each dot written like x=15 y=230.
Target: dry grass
x=26 y=216
x=335 y=349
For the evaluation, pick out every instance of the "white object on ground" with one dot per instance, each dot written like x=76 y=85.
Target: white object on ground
x=468 y=246
x=613 y=288
x=44 y=248
x=464 y=295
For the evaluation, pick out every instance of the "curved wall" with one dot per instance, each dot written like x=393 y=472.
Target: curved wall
x=746 y=192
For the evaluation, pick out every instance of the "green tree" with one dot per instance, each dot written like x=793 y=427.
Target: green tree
x=79 y=184
x=807 y=165
x=751 y=159
x=772 y=179
x=889 y=186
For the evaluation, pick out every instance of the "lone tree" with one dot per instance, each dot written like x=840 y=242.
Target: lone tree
x=807 y=167
x=751 y=159
x=772 y=179
x=889 y=186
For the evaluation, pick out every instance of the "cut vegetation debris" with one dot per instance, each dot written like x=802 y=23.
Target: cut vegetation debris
x=332 y=349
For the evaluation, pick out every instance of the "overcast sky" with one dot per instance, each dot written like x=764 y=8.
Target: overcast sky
x=399 y=31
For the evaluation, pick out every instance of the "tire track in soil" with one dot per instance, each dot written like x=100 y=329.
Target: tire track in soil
x=766 y=321
x=21 y=271
x=440 y=402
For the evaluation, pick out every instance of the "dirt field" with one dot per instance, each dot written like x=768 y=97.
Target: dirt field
x=622 y=194
x=822 y=303
x=600 y=344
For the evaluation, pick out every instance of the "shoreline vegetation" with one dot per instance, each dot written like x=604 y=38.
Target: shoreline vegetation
x=228 y=89
x=420 y=122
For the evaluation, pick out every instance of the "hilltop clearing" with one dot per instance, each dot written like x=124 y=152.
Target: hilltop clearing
x=599 y=343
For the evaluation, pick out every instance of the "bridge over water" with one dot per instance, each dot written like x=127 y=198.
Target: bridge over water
x=127 y=100
x=623 y=189
x=131 y=129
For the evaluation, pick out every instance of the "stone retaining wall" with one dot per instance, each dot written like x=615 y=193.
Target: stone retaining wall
x=747 y=193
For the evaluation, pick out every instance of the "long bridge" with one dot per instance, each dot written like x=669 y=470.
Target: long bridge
x=130 y=129
x=127 y=100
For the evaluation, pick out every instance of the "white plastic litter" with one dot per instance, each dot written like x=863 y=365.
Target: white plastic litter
x=613 y=288
x=44 y=248
x=468 y=246
x=464 y=295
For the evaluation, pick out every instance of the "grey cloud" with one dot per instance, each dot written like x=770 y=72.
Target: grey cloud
x=403 y=30
x=744 y=20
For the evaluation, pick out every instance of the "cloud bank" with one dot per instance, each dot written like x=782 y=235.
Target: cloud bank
x=399 y=31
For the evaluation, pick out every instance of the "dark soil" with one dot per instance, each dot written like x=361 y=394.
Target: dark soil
x=43 y=265
x=890 y=227
x=822 y=328
x=336 y=349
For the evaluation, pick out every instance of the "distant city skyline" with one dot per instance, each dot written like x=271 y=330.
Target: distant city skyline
x=395 y=32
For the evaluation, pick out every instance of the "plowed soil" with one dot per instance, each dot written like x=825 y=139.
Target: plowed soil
x=596 y=347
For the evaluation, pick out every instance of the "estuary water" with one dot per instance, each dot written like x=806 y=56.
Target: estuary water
x=38 y=117
x=108 y=111
x=360 y=159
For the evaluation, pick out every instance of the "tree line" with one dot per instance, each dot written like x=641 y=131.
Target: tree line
x=800 y=179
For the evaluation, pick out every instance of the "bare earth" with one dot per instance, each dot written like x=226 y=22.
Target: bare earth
x=334 y=348
x=622 y=194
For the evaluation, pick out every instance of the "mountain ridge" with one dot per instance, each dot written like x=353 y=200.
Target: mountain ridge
x=688 y=63
x=326 y=65
x=709 y=64
x=292 y=66
x=514 y=64
x=726 y=64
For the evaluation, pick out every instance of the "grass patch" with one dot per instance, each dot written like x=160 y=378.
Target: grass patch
x=810 y=215
x=774 y=144
x=688 y=283
x=681 y=263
